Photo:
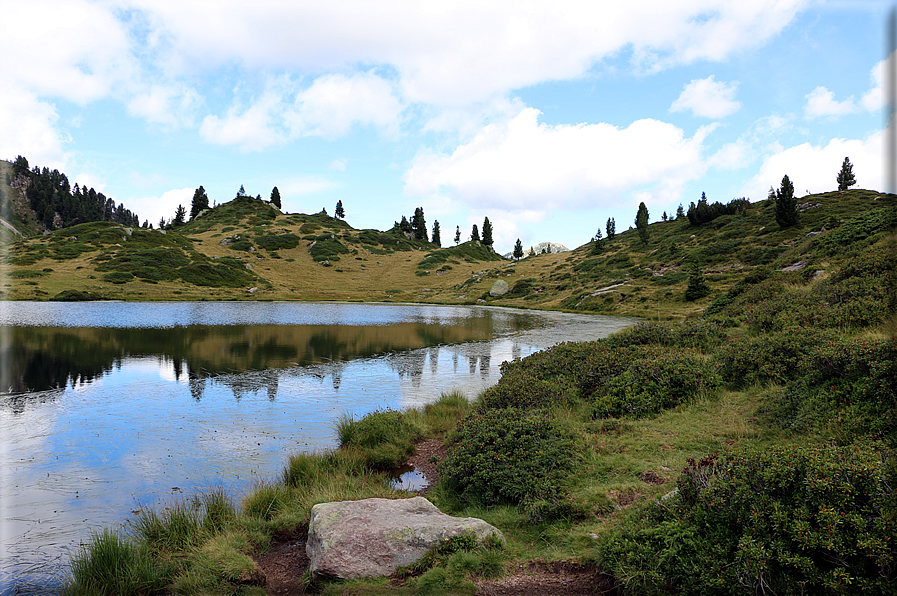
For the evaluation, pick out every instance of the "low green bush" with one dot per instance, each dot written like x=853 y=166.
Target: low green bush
x=770 y=358
x=848 y=389
x=277 y=241
x=118 y=277
x=509 y=456
x=646 y=380
x=787 y=520
x=327 y=249
x=703 y=334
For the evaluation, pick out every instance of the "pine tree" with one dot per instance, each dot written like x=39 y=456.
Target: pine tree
x=241 y=192
x=680 y=212
x=475 y=233
x=457 y=234
x=597 y=242
x=611 y=228
x=787 y=212
x=697 y=287
x=487 y=233
x=845 y=176
x=518 y=250
x=339 y=213
x=532 y=252
x=641 y=222
x=436 y=236
x=200 y=202
x=275 y=197
x=664 y=216
x=404 y=226
x=179 y=216
x=419 y=225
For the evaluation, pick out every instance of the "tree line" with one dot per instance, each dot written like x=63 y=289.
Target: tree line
x=59 y=205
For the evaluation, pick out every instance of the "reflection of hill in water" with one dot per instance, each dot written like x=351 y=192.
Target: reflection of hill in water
x=40 y=358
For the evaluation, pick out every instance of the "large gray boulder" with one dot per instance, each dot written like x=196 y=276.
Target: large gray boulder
x=373 y=537
x=499 y=288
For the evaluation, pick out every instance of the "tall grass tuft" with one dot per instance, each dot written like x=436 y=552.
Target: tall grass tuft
x=384 y=437
x=111 y=565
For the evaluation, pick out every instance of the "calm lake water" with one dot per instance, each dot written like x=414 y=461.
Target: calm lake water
x=108 y=407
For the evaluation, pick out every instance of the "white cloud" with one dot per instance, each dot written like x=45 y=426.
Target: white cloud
x=459 y=52
x=72 y=49
x=335 y=102
x=255 y=128
x=874 y=98
x=815 y=168
x=338 y=164
x=521 y=165
x=172 y=105
x=155 y=208
x=821 y=102
x=329 y=108
x=708 y=98
x=29 y=129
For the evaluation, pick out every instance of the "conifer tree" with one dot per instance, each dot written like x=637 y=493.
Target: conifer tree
x=846 y=178
x=518 y=251
x=436 y=236
x=532 y=252
x=697 y=287
x=200 y=202
x=597 y=242
x=404 y=226
x=475 y=233
x=457 y=234
x=275 y=197
x=611 y=228
x=487 y=233
x=641 y=222
x=241 y=192
x=419 y=225
x=787 y=212
x=680 y=212
x=339 y=212
x=179 y=216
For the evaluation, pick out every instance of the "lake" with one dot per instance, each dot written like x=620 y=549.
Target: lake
x=106 y=407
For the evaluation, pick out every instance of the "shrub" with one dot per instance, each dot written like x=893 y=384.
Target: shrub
x=507 y=456
x=643 y=381
x=786 y=521
x=520 y=388
x=704 y=335
x=277 y=241
x=849 y=388
x=326 y=248
x=118 y=277
x=770 y=358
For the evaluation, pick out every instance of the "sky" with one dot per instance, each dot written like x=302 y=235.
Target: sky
x=547 y=118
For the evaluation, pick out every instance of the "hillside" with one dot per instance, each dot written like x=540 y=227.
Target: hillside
x=248 y=250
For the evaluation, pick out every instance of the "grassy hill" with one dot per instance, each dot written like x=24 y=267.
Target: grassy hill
x=248 y=250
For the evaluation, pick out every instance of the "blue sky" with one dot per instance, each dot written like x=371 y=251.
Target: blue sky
x=548 y=118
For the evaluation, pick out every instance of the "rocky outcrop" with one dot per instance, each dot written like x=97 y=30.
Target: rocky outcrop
x=373 y=537
x=499 y=288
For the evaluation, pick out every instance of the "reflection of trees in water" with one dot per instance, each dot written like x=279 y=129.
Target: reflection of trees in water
x=40 y=358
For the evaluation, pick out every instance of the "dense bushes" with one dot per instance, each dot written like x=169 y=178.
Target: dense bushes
x=770 y=358
x=785 y=520
x=511 y=456
x=645 y=380
x=849 y=389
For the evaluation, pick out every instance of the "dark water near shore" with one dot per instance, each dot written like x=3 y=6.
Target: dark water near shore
x=106 y=407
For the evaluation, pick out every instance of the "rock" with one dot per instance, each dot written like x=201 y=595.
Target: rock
x=373 y=537
x=499 y=288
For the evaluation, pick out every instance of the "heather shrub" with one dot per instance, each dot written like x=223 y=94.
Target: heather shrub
x=703 y=335
x=770 y=358
x=520 y=388
x=653 y=379
x=786 y=520
x=510 y=456
x=849 y=389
